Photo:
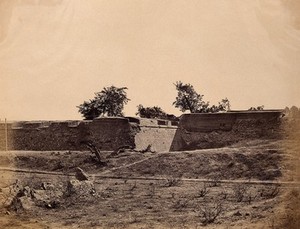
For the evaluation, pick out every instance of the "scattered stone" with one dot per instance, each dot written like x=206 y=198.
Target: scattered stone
x=26 y=202
x=27 y=198
x=17 y=186
x=82 y=188
x=40 y=195
x=237 y=213
x=48 y=186
x=53 y=204
x=21 y=203
x=81 y=175
x=26 y=191
x=6 y=197
x=47 y=198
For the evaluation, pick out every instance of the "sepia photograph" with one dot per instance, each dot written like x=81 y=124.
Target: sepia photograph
x=150 y=114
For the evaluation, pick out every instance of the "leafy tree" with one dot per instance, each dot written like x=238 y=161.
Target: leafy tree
x=188 y=99
x=110 y=101
x=89 y=110
x=259 y=108
x=224 y=105
x=150 y=112
x=154 y=112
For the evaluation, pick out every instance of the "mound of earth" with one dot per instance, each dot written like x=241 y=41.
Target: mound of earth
x=259 y=160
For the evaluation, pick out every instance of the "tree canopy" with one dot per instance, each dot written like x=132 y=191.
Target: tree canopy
x=150 y=112
x=110 y=101
x=259 y=108
x=188 y=99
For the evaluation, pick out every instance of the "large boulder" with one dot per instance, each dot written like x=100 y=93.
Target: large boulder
x=22 y=200
x=7 y=194
x=81 y=175
x=81 y=188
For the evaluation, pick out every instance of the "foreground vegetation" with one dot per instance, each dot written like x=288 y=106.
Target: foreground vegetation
x=233 y=187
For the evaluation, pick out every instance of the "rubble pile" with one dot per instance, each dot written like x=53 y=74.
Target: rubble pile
x=49 y=195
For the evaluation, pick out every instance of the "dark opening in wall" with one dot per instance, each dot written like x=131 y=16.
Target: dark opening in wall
x=174 y=123
x=134 y=120
x=162 y=122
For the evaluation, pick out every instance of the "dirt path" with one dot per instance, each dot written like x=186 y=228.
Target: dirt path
x=130 y=164
x=102 y=176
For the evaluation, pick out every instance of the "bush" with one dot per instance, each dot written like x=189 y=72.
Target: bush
x=239 y=192
x=173 y=181
x=209 y=213
x=202 y=191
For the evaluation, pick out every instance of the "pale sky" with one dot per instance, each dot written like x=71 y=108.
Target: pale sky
x=54 y=54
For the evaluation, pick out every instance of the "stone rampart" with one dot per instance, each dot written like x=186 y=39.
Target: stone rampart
x=157 y=133
x=199 y=131
x=194 y=131
x=105 y=133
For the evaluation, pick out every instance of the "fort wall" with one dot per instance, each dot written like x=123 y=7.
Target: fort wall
x=194 y=131
x=157 y=133
x=105 y=133
x=199 y=131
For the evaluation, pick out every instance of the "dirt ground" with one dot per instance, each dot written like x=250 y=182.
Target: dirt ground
x=253 y=184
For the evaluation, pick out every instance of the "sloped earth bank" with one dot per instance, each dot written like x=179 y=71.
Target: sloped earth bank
x=154 y=190
x=259 y=160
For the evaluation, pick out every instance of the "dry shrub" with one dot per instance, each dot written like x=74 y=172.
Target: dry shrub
x=224 y=194
x=202 y=192
x=270 y=192
x=172 y=181
x=210 y=212
x=151 y=191
x=239 y=192
x=133 y=187
x=180 y=204
x=215 y=182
